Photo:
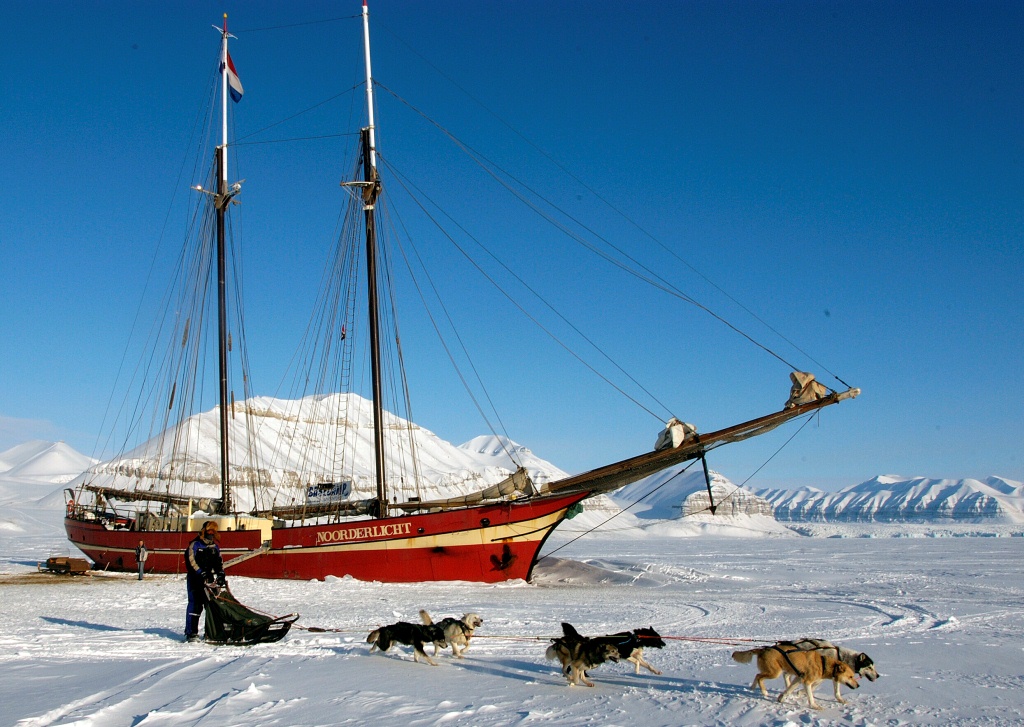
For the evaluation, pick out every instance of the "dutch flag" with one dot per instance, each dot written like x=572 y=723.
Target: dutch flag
x=234 y=85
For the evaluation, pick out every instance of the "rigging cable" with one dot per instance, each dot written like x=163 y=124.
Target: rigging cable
x=297 y=25
x=604 y=200
x=625 y=509
x=200 y=122
x=402 y=180
x=458 y=371
x=294 y=138
x=396 y=378
x=297 y=114
x=651 y=277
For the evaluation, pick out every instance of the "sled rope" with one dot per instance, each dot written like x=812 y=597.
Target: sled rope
x=718 y=640
x=715 y=640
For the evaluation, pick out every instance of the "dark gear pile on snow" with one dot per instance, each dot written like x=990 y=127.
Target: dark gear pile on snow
x=230 y=622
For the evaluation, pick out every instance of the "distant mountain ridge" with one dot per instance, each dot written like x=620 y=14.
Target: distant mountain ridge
x=882 y=499
x=667 y=495
x=889 y=499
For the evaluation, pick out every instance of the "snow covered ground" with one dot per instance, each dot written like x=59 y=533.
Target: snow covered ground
x=942 y=616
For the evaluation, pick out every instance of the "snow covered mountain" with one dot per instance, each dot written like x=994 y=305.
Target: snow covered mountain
x=31 y=470
x=889 y=498
x=298 y=441
x=501 y=449
x=46 y=462
x=675 y=503
x=670 y=494
x=884 y=498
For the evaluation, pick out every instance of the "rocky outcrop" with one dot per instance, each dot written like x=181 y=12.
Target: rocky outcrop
x=729 y=500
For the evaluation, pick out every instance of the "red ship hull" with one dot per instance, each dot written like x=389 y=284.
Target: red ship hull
x=486 y=543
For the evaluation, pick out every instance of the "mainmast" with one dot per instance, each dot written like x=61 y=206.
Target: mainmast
x=371 y=189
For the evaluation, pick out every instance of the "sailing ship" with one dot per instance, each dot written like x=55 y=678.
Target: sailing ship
x=493 y=534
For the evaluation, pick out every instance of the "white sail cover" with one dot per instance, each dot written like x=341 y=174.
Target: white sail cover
x=674 y=434
x=805 y=389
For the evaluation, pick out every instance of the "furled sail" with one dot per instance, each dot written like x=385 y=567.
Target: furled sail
x=516 y=485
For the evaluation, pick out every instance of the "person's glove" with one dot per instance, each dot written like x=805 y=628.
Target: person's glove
x=221 y=580
x=209 y=579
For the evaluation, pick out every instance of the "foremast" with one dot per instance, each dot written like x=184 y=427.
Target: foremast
x=222 y=198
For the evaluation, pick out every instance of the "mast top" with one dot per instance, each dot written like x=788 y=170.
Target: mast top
x=369 y=88
x=224 y=30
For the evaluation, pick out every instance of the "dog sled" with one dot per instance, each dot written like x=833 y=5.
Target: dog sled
x=228 y=621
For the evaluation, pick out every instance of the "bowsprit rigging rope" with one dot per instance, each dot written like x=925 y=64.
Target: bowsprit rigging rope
x=760 y=467
x=612 y=517
x=728 y=497
x=596 y=194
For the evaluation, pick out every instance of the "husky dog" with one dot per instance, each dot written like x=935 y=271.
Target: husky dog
x=414 y=635
x=810 y=668
x=631 y=645
x=578 y=653
x=860 y=662
x=457 y=632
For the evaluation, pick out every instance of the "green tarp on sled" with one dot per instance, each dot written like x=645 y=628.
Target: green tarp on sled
x=230 y=622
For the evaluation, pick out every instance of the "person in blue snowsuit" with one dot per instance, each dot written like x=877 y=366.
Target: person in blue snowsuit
x=203 y=569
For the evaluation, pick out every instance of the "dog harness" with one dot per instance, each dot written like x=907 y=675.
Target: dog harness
x=833 y=647
x=785 y=655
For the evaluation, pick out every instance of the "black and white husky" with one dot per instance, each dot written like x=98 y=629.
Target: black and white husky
x=578 y=653
x=403 y=632
x=631 y=645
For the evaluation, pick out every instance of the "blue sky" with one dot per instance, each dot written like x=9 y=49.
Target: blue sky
x=851 y=172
